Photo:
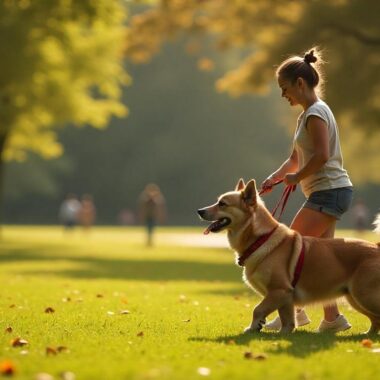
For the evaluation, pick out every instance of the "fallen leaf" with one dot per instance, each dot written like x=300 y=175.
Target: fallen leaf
x=204 y=371
x=9 y=329
x=367 y=343
x=248 y=355
x=7 y=368
x=62 y=349
x=125 y=312
x=19 y=342
x=49 y=310
x=99 y=295
x=12 y=306
x=186 y=320
x=141 y=333
x=260 y=357
x=51 y=351
x=66 y=299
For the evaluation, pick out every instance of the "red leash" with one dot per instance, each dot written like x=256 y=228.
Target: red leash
x=284 y=197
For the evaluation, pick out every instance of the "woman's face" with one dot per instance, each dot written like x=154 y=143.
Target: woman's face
x=291 y=91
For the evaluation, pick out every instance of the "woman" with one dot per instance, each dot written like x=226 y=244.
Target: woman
x=316 y=163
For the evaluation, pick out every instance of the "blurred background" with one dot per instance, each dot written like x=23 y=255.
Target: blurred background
x=103 y=98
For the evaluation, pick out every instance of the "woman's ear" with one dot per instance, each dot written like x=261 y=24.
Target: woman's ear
x=300 y=82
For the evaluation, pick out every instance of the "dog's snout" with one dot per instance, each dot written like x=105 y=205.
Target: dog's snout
x=201 y=212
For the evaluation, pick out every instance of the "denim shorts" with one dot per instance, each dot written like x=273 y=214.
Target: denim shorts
x=334 y=202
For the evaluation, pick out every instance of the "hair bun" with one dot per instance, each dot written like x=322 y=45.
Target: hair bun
x=310 y=57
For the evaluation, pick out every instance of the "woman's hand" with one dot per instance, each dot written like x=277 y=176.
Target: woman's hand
x=268 y=183
x=291 y=179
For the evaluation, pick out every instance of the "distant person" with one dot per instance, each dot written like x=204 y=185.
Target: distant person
x=87 y=214
x=152 y=209
x=69 y=211
x=360 y=215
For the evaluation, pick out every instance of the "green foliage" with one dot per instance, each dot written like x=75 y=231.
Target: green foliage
x=347 y=31
x=190 y=304
x=61 y=64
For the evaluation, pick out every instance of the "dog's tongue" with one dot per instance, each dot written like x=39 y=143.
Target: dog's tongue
x=207 y=230
x=212 y=227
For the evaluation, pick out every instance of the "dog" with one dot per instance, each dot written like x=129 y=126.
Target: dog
x=288 y=269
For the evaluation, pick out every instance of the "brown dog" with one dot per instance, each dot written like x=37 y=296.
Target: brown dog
x=288 y=269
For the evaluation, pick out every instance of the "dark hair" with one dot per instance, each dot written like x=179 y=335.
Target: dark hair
x=297 y=67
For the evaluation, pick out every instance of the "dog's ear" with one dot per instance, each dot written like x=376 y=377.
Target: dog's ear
x=249 y=193
x=240 y=185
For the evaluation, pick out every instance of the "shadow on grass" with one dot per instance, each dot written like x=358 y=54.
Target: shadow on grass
x=149 y=269
x=298 y=344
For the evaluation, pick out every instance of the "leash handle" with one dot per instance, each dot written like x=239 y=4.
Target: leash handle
x=267 y=189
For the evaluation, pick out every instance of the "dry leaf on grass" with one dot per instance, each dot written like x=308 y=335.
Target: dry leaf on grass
x=140 y=334
x=19 y=342
x=50 y=351
x=49 y=310
x=125 y=312
x=367 y=343
x=186 y=320
x=251 y=356
x=7 y=368
x=9 y=329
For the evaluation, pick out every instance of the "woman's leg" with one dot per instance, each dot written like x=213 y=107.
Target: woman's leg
x=309 y=222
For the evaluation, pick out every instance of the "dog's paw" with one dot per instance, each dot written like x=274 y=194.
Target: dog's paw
x=251 y=330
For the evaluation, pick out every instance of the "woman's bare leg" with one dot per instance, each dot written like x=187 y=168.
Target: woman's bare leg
x=309 y=222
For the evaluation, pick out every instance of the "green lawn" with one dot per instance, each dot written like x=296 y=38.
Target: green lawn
x=187 y=309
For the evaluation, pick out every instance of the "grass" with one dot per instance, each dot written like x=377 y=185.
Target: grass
x=187 y=309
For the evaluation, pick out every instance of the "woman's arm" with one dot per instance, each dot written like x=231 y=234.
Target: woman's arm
x=290 y=165
x=320 y=139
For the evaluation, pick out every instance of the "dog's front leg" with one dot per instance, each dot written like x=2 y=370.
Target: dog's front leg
x=274 y=300
x=286 y=314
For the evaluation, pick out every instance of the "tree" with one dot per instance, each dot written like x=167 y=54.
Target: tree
x=268 y=31
x=61 y=64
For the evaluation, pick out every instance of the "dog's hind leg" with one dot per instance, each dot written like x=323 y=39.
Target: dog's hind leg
x=375 y=321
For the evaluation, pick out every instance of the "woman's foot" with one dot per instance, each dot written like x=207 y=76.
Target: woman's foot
x=301 y=320
x=340 y=324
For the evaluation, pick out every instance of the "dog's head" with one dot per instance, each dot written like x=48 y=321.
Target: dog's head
x=232 y=208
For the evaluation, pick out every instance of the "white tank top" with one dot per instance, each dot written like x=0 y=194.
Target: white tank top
x=331 y=175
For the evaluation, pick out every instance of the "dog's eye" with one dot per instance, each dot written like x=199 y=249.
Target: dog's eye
x=222 y=204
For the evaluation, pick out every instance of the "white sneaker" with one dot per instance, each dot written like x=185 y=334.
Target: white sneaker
x=301 y=320
x=340 y=324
